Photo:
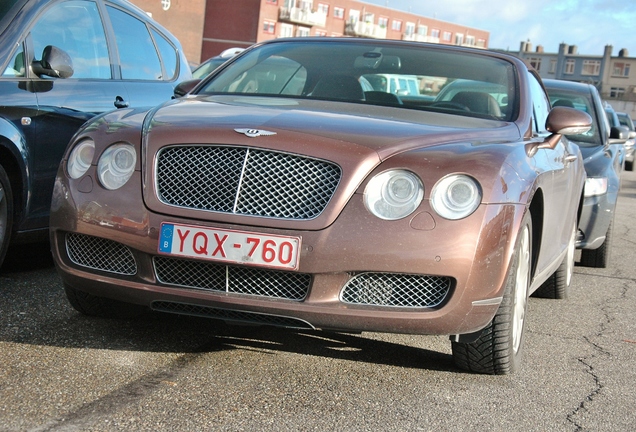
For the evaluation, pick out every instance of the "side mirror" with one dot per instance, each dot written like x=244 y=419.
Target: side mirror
x=562 y=121
x=55 y=63
x=619 y=133
x=185 y=87
x=632 y=134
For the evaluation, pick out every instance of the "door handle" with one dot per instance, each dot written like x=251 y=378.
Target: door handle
x=120 y=102
x=570 y=158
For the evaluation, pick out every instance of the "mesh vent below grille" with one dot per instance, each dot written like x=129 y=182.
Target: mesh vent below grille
x=100 y=254
x=245 y=181
x=240 y=280
x=401 y=290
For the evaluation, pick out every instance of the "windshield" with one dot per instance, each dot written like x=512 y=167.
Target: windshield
x=582 y=102
x=373 y=72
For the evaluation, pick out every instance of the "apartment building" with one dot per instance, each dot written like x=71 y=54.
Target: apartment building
x=612 y=75
x=207 y=27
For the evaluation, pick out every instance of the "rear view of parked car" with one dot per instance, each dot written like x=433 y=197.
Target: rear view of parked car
x=603 y=153
x=626 y=121
x=62 y=63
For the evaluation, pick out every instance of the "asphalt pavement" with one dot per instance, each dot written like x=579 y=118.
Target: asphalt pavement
x=61 y=371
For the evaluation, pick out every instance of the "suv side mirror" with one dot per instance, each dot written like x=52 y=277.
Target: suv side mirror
x=619 y=134
x=55 y=63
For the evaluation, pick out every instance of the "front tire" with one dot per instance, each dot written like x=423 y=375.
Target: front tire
x=6 y=213
x=598 y=258
x=557 y=286
x=498 y=349
x=91 y=305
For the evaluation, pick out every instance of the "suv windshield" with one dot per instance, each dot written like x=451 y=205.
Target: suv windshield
x=373 y=72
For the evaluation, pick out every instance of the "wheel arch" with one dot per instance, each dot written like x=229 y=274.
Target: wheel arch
x=14 y=159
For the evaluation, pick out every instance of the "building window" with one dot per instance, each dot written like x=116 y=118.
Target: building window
x=323 y=9
x=383 y=22
x=569 y=67
x=591 y=67
x=553 y=64
x=269 y=27
x=369 y=18
x=459 y=39
x=306 y=4
x=481 y=43
x=338 y=12
x=354 y=16
x=396 y=25
x=321 y=33
x=302 y=31
x=535 y=62
x=620 y=69
x=422 y=30
x=470 y=40
x=447 y=36
x=617 y=92
x=286 y=30
x=435 y=33
x=409 y=29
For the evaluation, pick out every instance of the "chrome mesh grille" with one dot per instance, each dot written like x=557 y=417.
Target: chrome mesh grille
x=240 y=280
x=245 y=181
x=100 y=254
x=400 y=290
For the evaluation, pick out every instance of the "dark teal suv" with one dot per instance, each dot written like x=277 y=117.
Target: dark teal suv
x=63 y=62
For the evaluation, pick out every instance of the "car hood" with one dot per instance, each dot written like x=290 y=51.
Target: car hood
x=356 y=137
x=383 y=130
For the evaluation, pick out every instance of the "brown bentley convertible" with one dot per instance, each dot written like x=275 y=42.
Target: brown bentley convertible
x=298 y=186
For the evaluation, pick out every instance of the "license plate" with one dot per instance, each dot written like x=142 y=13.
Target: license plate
x=230 y=246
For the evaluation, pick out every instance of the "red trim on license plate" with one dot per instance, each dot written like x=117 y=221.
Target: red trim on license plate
x=230 y=246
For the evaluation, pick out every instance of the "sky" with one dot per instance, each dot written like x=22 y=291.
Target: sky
x=588 y=24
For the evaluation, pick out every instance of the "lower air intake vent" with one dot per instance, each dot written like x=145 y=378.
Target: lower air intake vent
x=100 y=254
x=399 y=290
x=230 y=279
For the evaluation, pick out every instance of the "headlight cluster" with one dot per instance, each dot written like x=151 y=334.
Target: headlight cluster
x=456 y=196
x=114 y=167
x=595 y=186
x=395 y=194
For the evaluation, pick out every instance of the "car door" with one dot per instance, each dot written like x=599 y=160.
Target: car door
x=147 y=60
x=64 y=104
x=558 y=214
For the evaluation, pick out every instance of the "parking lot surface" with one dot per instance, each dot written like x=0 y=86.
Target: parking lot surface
x=61 y=371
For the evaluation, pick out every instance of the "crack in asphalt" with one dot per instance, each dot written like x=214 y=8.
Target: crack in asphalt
x=587 y=360
x=86 y=415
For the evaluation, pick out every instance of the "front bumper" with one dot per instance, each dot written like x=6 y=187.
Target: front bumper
x=470 y=257
x=596 y=215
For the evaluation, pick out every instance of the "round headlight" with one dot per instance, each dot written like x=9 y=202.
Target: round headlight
x=80 y=159
x=456 y=196
x=116 y=165
x=393 y=194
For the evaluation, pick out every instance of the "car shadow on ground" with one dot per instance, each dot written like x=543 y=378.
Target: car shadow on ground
x=24 y=257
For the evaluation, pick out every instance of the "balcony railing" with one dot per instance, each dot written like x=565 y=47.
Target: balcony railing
x=364 y=29
x=302 y=16
x=415 y=37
